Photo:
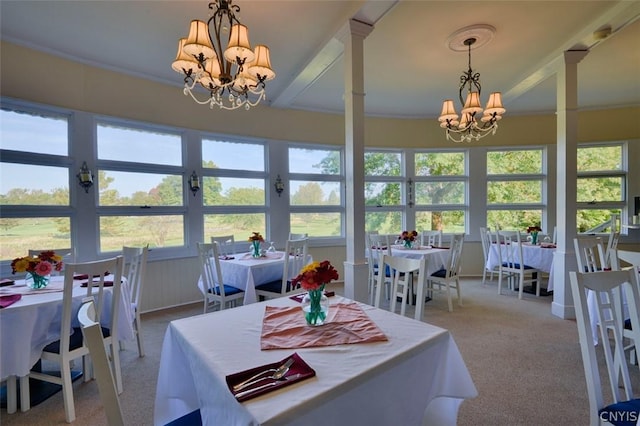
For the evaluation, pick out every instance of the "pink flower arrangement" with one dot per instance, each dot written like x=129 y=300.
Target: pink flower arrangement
x=315 y=275
x=43 y=265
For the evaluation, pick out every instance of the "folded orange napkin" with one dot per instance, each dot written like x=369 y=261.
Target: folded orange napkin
x=286 y=328
x=298 y=371
x=9 y=299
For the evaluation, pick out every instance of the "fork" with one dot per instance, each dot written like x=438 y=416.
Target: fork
x=277 y=374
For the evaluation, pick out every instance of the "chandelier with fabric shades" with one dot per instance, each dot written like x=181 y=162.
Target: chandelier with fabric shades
x=467 y=129
x=232 y=73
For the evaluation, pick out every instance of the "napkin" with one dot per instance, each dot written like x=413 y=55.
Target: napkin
x=226 y=257
x=547 y=245
x=299 y=368
x=106 y=283
x=5 y=282
x=9 y=300
x=85 y=276
x=286 y=328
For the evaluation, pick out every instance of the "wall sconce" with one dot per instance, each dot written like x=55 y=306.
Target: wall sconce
x=194 y=183
x=279 y=185
x=85 y=177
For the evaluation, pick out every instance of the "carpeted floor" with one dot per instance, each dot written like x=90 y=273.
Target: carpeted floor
x=525 y=363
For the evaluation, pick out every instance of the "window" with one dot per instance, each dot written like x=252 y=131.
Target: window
x=34 y=181
x=383 y=191
x=601 y=187
x=440 y=191
x=140 y=187
x=315 y=191
x=233 y=188
x=515 y=188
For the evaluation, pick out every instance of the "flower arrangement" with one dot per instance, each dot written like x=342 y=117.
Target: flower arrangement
x=409 y=236
x=255 y=239
x=533 y=229
x=44 y=264
x=38 y=267
x=313 y=278
x=315 y=275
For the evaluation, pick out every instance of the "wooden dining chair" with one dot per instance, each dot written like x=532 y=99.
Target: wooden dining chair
x=135 y=270
x=216 y=293
x=377 y=246
x=486 y=239
x=608 y=287
x=92 y=335
x=226 y=244
x=405 y=274
x=512 y=267
x=449 y=276
x=431 y=238
x=590 y=253
x=624 y=259
x=71 y=346
x=296 y=255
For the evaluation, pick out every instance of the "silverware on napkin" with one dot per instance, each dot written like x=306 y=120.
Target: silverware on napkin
x=277 y=374
x=274 y=383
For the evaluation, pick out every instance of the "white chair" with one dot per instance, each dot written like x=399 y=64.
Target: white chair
x=512 y=266
x=589 y=253
x=377 y=246
x=449 y=277
x=135 y=270
x=608 y=286
x=296 y=256
x=631 y=258
x=216 y=293
x=486 y=239
x=71 y=345
x=293 y=236
x=405 y=274
x=612 y=244
x=226 y=244
x=92 y=335
x=431 y=238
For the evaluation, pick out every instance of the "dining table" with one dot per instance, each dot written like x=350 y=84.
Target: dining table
x=33 y=321
x=243 y=271
x=412 y=373
x=538 y=256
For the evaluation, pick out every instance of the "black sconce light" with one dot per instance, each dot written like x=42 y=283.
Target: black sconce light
x=85 y=177
x=194 y=183
x=279 y=185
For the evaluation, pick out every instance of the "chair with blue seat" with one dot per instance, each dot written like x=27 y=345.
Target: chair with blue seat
x=590 y=253
x=216 y=293
x=226 y=244
x=609 y=286
x=511 y=265
x=431 y=238
x=135 y=269
x=296 y=254
x=378 y=245
x=449 y=276
x=71 y=345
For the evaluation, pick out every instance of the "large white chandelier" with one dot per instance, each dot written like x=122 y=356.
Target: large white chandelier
x=234 y=76
x=468 y=129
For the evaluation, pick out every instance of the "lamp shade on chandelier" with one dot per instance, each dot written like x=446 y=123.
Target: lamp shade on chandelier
x=234 y=75
x=467 y=128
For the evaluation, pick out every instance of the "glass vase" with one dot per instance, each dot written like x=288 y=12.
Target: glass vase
x=35 y=281
x=408 y=244
x=255 y=249
x=315 y=306
x=534 y=238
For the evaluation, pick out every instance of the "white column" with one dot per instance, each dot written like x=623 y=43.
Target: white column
x=355 y=266
x=566 y=186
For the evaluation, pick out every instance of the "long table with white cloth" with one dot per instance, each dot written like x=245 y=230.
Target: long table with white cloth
x=537 y=256
x=418 y=373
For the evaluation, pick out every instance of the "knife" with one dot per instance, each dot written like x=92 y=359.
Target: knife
x=249 y=391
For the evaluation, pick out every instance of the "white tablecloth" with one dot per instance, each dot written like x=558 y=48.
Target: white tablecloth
x=33 y=322
x=535 y=256
x=245 y=272
x=393 y=382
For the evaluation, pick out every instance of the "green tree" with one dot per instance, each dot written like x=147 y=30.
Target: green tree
x=309 y=194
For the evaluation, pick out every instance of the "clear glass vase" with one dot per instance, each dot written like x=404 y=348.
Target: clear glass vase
x=35 y=281
x=408 y=244
x=315 y=306
x=255 y=249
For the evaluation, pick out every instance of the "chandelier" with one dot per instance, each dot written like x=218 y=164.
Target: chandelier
x=467 y=129
x=233 y=75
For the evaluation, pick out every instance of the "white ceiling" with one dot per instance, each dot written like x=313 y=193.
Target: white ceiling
x=409 y=68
